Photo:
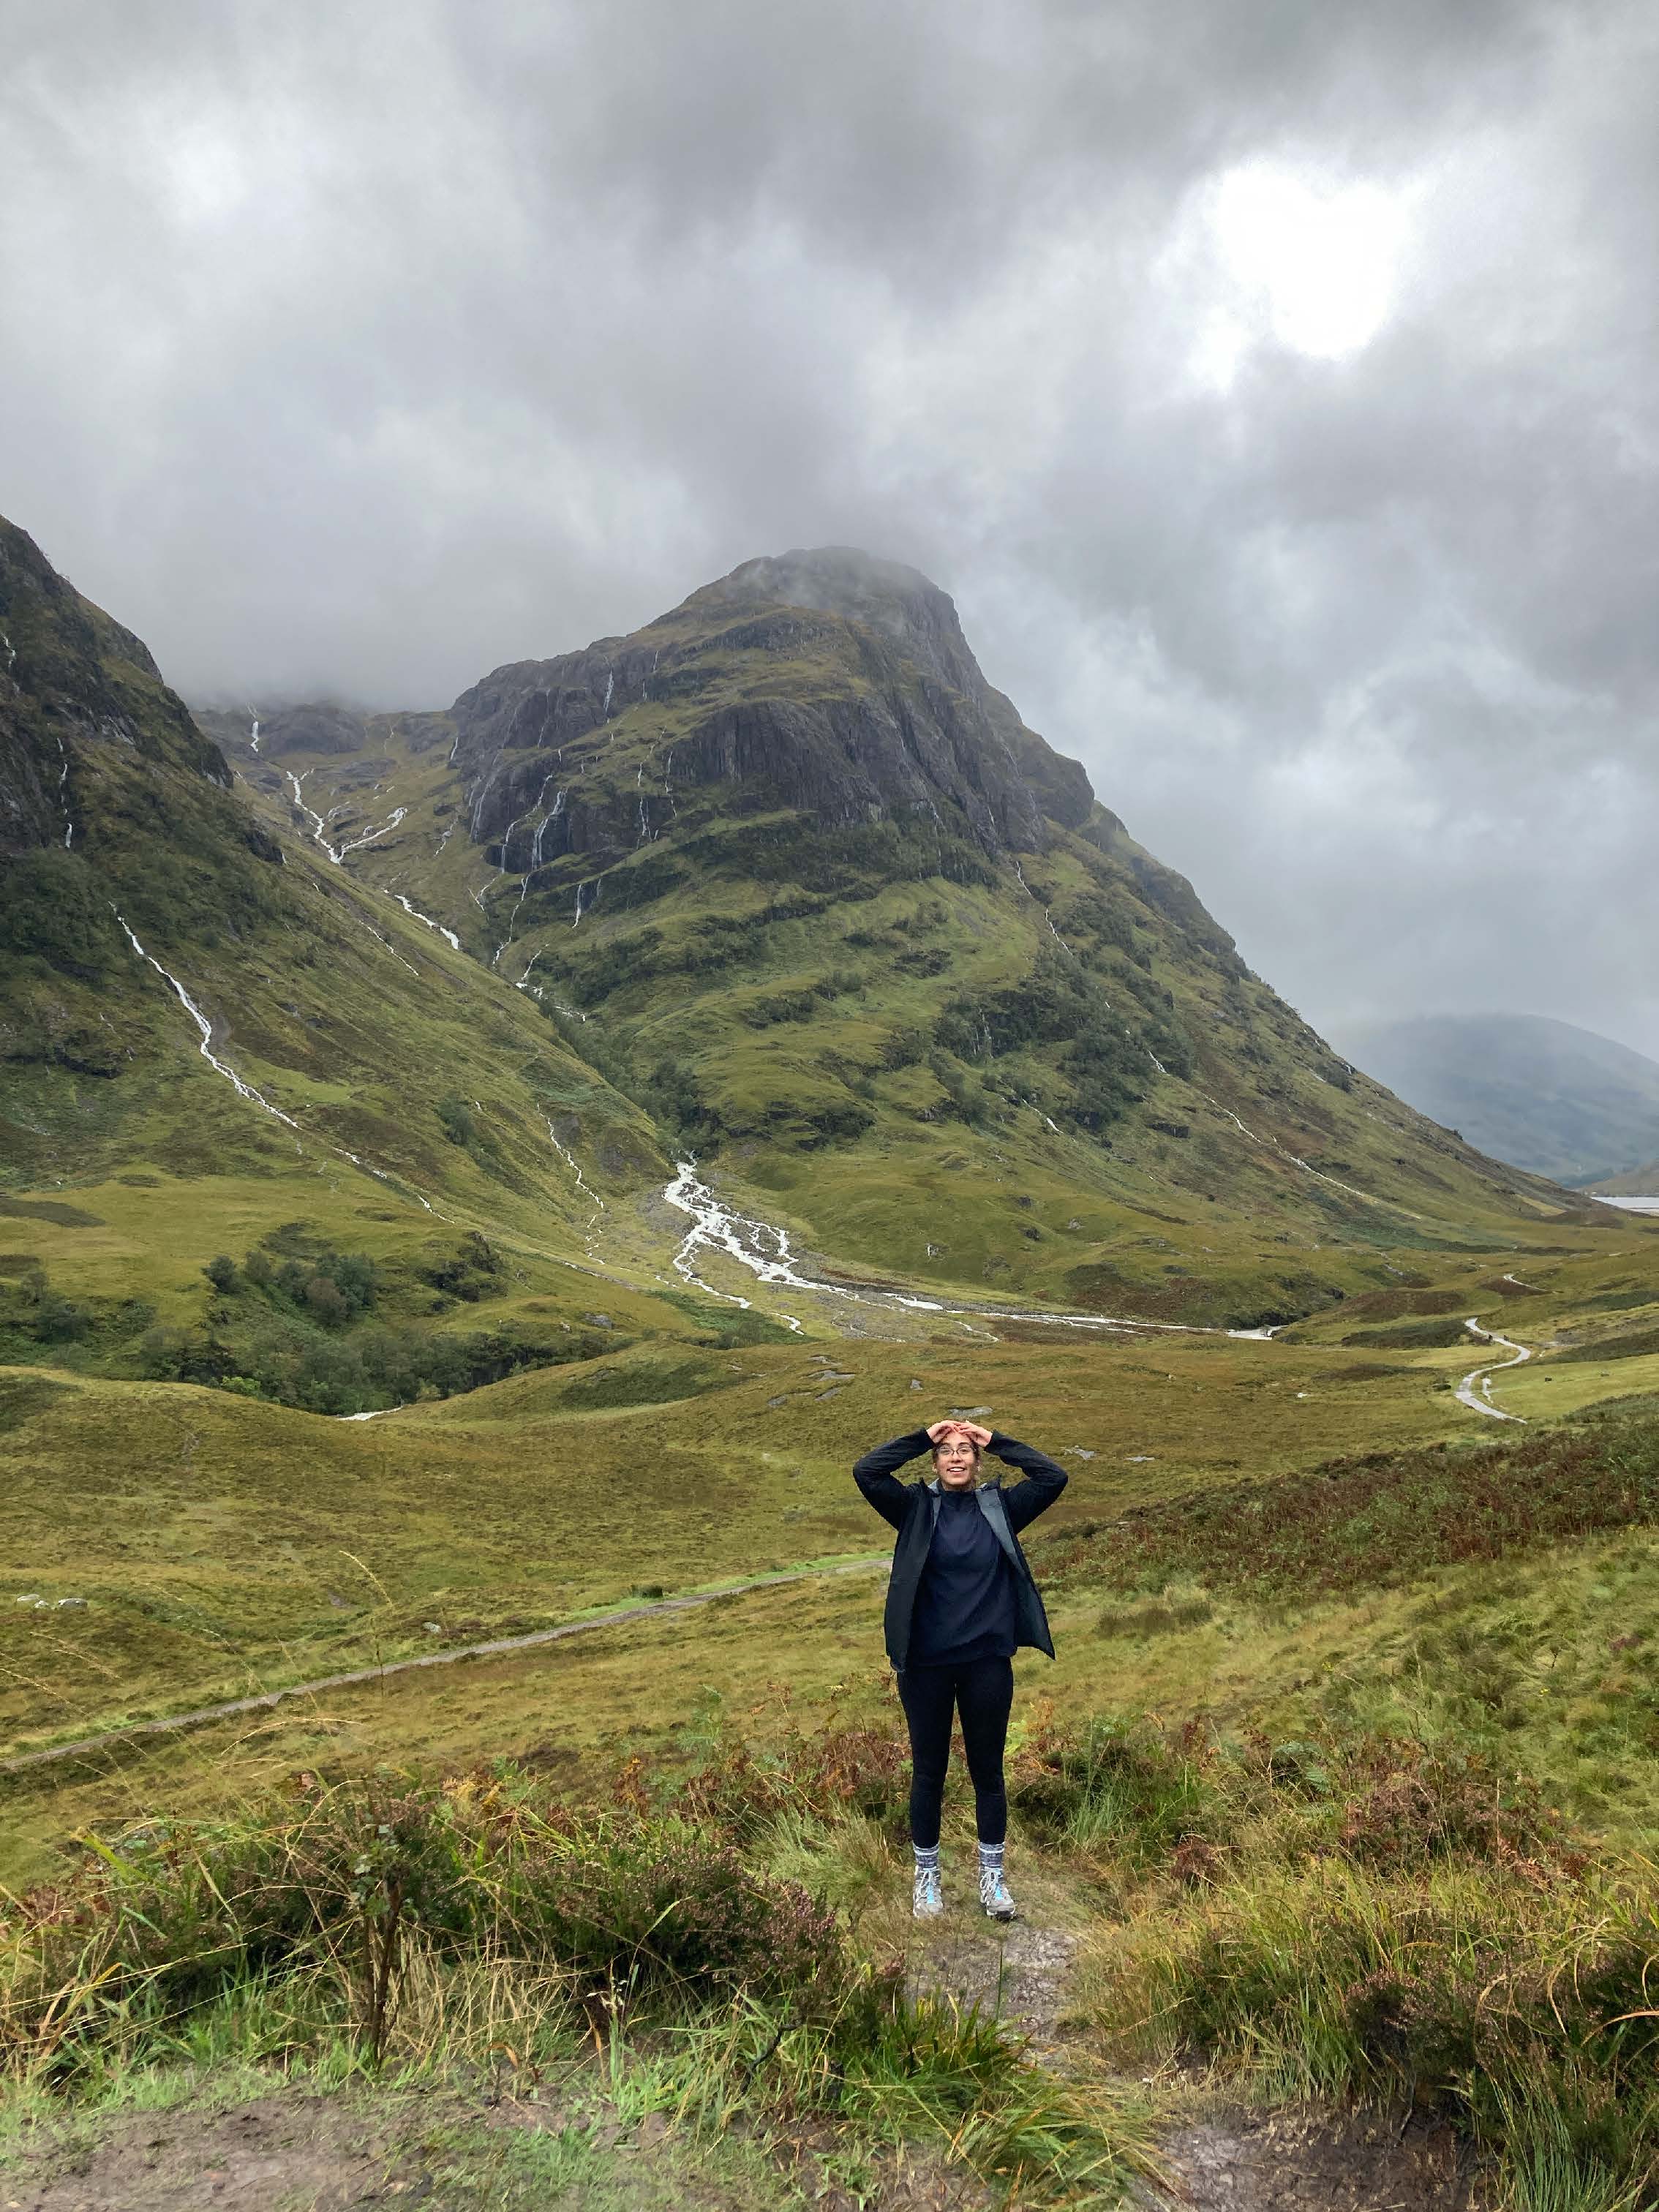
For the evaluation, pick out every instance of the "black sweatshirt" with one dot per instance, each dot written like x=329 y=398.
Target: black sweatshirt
x=964 y=1607
x=915 y=1509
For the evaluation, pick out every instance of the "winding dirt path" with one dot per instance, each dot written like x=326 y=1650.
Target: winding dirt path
x=1474 y=1390
x=497 y=1647
x=1217 y=2157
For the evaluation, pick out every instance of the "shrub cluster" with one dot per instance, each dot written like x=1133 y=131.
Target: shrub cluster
x=1060 y=1004
x=333 y=1288
x=849 y=861
x=1634 y=1343
x=799 y=1006
x=36 y=1317
x=1413 y=1335
x=827 y=1774
x=1523 y=2013
x=1369 y=1917
x=1182 y=1801
x=708 y=946
x=1362 y=1917
x=53 y=912
x=316 y=1369
x=346 y=1877
x=298 y=1323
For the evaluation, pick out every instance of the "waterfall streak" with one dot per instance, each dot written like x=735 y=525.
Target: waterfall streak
x=390 y=946
x=535 y=859
x=246 y=1089
x=736 y=1234
x=572 y=1163
x=243 y=1089
x=716 y=1228
x=318 y=825
x=414 y=912
x=63 y=790
x=369 y=837
x=1307 y=1168
x=1036 y=902
x=552 y=815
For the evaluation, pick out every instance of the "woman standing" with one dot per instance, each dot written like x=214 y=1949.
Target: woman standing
x=960 y=1600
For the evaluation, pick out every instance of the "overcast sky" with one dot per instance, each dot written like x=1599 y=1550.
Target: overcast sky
x=1271 y=381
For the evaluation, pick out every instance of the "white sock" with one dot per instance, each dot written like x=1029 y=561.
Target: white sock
x=926 y=1857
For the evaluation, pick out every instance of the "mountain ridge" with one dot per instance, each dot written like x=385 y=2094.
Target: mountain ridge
x=790 y=873
x=1554 y=1098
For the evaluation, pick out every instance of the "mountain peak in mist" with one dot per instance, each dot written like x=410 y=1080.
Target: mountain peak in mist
x=897 y=602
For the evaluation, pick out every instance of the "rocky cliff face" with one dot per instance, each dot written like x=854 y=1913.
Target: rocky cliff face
x=77 y=694
x=312 y=729
x=826 y=682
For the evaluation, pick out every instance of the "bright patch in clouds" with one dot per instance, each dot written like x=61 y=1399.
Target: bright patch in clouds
x=1308 y=264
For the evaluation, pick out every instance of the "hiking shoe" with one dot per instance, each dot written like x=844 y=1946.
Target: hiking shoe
x=927 y=1895
x=993 y=1895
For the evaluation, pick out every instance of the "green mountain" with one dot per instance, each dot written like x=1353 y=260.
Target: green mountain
x=211 y=1038
x=1555 y=1099
x=784 y=868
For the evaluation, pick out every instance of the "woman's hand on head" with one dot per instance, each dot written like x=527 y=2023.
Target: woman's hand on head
x=941 y=1432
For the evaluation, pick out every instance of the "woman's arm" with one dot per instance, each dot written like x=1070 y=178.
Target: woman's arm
x=873 y=1474
x=1044 y=1479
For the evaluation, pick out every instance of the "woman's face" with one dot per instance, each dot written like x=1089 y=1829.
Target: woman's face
x=955 y=1462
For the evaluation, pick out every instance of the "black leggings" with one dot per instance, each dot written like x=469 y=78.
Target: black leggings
x=982 y=1692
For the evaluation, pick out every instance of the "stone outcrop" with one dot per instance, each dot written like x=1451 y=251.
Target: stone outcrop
x=311 y=729
x=828 y=682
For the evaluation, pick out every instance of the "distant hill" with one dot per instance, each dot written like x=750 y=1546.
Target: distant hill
x=1559 y=1101
x=1635 y=1182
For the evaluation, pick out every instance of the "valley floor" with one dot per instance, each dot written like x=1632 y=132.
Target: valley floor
x=1306 y=1602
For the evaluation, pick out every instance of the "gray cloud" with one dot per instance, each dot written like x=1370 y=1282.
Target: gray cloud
x=354 y=347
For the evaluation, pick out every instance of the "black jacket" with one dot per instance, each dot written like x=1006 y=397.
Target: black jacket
x=913 y=1508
